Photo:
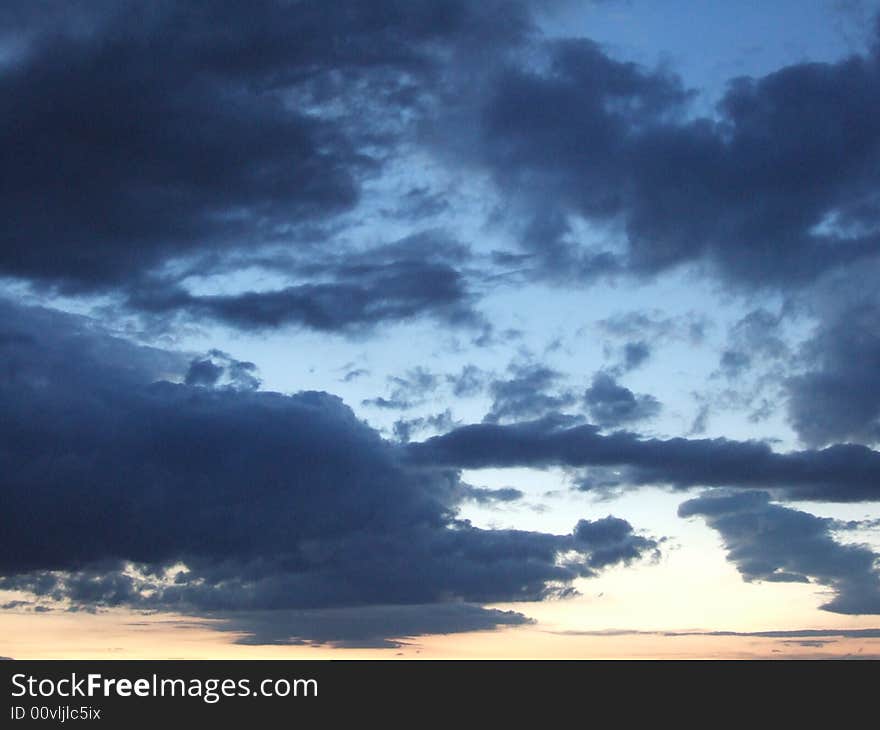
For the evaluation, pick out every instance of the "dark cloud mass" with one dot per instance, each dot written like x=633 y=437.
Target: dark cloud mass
x=839 y=473
x=139 y=137
x=136 y=137
x=769 y=542
x=365 y=626
x=245 y=169
x=115 y=480
x=838 y=397
x=779 y=187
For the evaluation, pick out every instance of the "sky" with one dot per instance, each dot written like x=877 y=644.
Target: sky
x=462 y=329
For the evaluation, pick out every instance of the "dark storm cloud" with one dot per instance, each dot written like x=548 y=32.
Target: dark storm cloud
x=838 y=397
x=147 y=136
x=114 y=479
x=768 y=542
x=141 y=138
x=611 y=404
x=42 y=344
x=779 y=187
x=532 y=390
x=138 y=137
x=839 y=473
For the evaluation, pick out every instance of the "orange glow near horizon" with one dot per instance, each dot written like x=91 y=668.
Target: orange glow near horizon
x=122 y=635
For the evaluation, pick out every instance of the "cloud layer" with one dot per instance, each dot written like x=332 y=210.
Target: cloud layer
x=207 y=497
x=839 y=473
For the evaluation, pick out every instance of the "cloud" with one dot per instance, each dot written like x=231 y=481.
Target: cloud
x=165 y=136
x=532 y=391
x=774 y=190
x=701 y=421
x=219 y=369
x=348 y=298
x=757 y=335
x=774 y=634
x=122 y=488
x=484 y=495
x=470 y=381
x=612 y=541
x=769 y=542
x=404 y=428
x=653 y=327
x=382 y=627
x=611 y=404
x=353 y=374
x=150 y=141
x=839 y=473
x=838 y=397
x=409 y=390
x=635 y=354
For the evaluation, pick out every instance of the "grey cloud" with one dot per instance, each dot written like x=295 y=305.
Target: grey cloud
x=470 y=381
x=769 y=542
x=383 y=627
x=484 y=495
x=838 y=397
x=635 y=354
x=405 y=428
x=354 y=374
x=839 y=473
x=756 y=335
x=358 y=298
x=146 y=139
x=776 y=190
x=701 y=421
x=613 y=541
x=612 y=405
x=532 y=390
x=408 y=390
x=654 y=327
x=219 y=369
x=270 y=501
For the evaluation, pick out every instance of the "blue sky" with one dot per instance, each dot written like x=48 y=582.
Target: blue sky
x=410 y=327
